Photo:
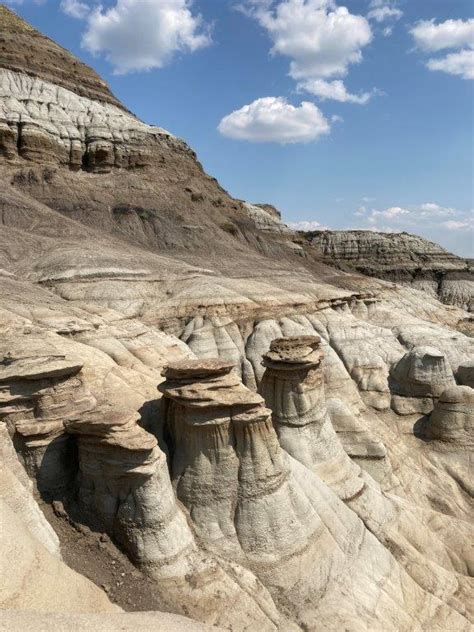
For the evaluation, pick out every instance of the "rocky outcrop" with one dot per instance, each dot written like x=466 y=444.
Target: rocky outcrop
x=202 y=396
x=125 y=484
x=399 y=257
x=418 y=379
x=25 y=50
x=452 y=419
x=266 y=218
x=120 y=256
x=46 y=123
x=293 y=388
x=257 y=496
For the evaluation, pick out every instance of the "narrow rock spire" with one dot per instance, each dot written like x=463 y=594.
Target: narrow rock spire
x=293 y=387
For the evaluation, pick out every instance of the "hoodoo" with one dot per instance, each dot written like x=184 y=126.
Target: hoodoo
x=203 y=411
x=201 y=398
x=293 y=388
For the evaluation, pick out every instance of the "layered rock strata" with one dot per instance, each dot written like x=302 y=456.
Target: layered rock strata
x=293 y=386
x=43 y=122
x=274 y=512
x=125 y=482
x=400 y=257
x=111 y=235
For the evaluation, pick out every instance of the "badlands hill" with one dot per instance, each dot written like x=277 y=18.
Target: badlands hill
x=399 y=257
x=201 y=419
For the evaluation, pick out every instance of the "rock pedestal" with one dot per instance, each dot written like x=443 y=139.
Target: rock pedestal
x=293 y=387
x=202 y=397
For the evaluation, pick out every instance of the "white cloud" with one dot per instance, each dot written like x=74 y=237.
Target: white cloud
x=75 y=8
x=306 y=226
x=431 y=209
x=335 y=90
x=321 y=40
x=139 y=35
x=416 y=218
x=461 y=64
x=455 y=34
x=461 y=224
x=394 y=212
x=273 y=119
x=450 y=34
x=383 y=10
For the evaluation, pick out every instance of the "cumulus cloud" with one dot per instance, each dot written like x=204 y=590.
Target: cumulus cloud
x=454 y=34
x=75 y=8
x=137 y=35
x=394 y=212
x=320 y=39
x=431 y=209
x=433 y=37
x=415 y=218
x=307 y=226
x=273 y=119
x=461 y=64
x=384 y=12
x=466 y=224
x=335 y=90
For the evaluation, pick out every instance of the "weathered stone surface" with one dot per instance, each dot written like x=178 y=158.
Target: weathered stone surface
x=120 y=256
x=23 y=621
x=266 y=218
x=293 y=388
x=400 y=257
x=452 y=419
x=418 y=379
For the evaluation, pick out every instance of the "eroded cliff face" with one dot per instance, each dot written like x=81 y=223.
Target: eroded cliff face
x=250 y=425
x=402 y=258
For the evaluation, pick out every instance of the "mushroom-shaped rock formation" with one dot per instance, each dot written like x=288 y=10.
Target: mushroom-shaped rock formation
x=295 y=392
x=202 y=396
x=418 y=379
x=39 y=389
x=279 y=518
x=293 y=388
x=452 y=419
x=125 y=481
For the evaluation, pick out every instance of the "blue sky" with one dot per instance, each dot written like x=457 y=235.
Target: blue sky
x=383 y=140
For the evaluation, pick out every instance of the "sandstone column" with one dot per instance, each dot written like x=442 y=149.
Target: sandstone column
x=202 y=397
x=293 y=387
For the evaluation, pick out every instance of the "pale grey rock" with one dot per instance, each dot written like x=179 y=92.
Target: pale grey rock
x=452 y=419
x=51 y=123
x=293 y=388
x=16 y=492
x=265 y=220
x=418 y=379
x=400 y=257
